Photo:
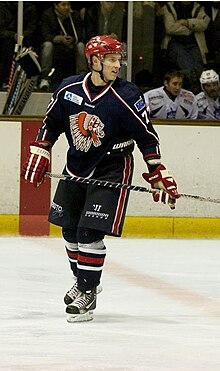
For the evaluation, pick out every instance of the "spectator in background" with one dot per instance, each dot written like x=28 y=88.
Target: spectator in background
x=213 y=34
x=208 y=99
x=106 y=18
x=81 y=6
x=159 y=64
x=184 y=42
x=8 y=34
x=171 y=101
x=62 y=31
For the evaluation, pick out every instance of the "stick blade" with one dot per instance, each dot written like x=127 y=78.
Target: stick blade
x=29 y=63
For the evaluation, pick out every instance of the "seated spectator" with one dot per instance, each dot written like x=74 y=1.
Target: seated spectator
x=184 y=42
x=171 y=101
x=62 y=32
x=8 y=34
x=208 y=99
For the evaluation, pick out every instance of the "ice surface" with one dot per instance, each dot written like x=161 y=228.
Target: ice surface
x=159 y=309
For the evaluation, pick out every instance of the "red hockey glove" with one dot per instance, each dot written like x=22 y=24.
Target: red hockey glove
x=37 y=163
x=161 y=179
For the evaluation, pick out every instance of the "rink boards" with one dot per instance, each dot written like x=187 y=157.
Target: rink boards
x=190 y=152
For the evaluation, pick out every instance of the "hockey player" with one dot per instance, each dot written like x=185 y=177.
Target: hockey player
x=208 y=100
x=101 y=116
x=171 y=101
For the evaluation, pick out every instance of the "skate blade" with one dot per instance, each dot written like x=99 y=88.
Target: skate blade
x=83 y=317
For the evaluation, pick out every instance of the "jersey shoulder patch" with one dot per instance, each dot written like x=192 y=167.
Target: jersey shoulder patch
x=139 y=104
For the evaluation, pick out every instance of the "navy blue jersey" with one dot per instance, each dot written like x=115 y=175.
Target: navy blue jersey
x=97 y=124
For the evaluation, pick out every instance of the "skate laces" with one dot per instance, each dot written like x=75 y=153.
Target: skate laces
x=73 y=292
x=84 y=299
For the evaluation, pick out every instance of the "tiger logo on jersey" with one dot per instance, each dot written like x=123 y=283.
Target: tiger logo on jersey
x=86 y=130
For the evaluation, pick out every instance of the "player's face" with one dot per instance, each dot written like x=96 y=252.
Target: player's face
x=212 y=89
x=111 y=66
x=174 y=85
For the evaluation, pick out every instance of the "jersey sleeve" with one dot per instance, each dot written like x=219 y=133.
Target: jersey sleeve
x=146 y=98
x=195 y=111
x=135 y=120
x=54 y=121
x=154 y=100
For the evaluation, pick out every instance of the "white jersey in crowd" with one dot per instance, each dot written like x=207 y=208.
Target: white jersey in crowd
x=209 y=108
x=162 y=106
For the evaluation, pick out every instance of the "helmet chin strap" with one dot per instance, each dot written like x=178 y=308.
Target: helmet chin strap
x=101 y=74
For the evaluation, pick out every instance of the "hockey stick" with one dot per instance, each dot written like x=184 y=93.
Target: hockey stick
x=15 y=68
x=23 y=82
x=17 y=50
x=12 y=91
x=24 y=95
x=20 y=81
x=130 y=187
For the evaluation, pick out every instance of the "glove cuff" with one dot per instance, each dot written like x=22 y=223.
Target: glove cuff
x=43 y=143
x=36 y=150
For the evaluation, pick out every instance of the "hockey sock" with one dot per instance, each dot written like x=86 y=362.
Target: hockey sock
x=91 y=257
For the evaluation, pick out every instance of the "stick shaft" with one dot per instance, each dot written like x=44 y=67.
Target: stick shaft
x=130 y=187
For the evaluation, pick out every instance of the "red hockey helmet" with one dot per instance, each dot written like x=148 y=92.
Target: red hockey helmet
x=101 y=45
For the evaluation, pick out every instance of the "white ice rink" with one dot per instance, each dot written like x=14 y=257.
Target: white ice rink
x=159 y=309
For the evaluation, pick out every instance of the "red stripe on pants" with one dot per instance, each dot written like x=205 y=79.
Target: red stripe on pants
x=121 y=201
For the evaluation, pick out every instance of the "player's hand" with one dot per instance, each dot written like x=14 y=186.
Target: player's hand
x=166 y=185
x=37 y=163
